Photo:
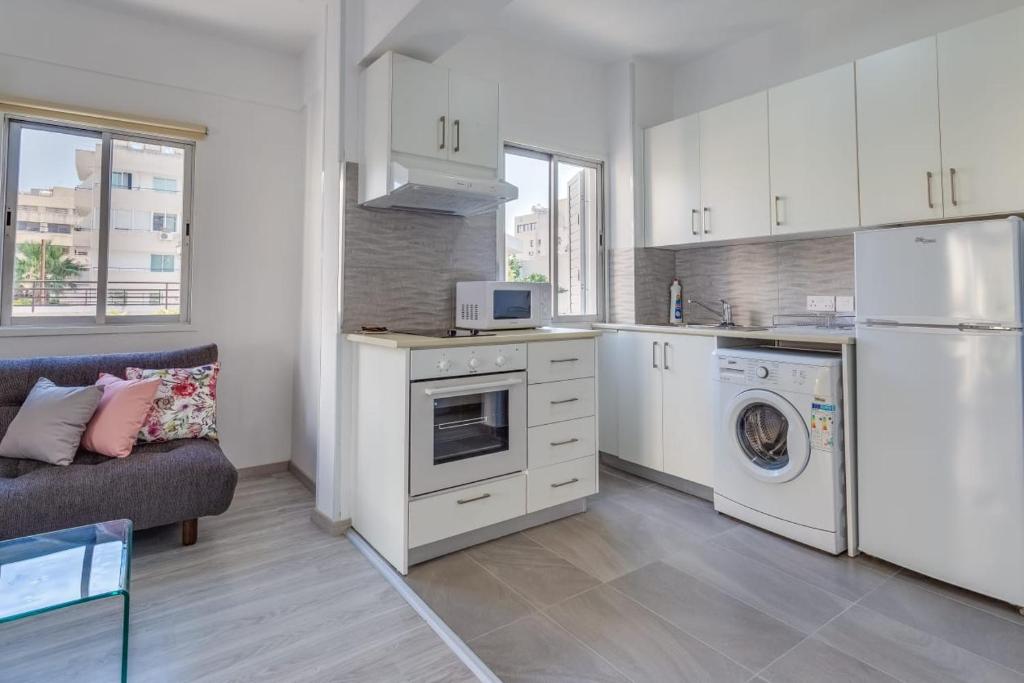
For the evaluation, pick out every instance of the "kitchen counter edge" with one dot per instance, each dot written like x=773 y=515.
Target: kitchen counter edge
x=790 y=334
x=394 y=340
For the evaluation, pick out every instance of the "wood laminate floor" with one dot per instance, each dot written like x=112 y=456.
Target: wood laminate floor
x=263 y=596
x=653 y=585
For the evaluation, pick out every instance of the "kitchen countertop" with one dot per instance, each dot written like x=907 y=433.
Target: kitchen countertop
x=395 y=340
x=790 y=333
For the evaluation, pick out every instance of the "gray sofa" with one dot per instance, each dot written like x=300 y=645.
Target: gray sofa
x=162 y=483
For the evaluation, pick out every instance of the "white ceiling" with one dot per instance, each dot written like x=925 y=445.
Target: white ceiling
x=285 y=25
x=665 y=30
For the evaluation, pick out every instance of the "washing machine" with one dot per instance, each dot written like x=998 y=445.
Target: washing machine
x=779 y=444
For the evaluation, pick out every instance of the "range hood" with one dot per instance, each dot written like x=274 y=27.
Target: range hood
x=433 y=191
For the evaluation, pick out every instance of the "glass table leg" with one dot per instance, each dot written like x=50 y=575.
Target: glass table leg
x=124 y=638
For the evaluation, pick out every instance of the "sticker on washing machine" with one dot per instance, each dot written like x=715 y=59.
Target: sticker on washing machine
x=822 y=427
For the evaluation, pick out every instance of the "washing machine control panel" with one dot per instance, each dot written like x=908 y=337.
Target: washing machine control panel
x=761 y=372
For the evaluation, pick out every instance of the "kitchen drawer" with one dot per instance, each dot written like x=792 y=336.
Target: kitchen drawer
x=559 y=360
x=561 y=441
x=559 y=401
x=561 y=483
x=449 y=514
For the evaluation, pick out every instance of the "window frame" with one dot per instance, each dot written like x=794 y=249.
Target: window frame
x=554 y=158
x=10 y=148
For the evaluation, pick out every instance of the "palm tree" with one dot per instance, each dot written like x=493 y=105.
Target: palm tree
x=53 y=272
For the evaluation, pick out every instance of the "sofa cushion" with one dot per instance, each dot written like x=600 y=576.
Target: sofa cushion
x=50 y=423
x=159 y=484
x=185 y=406
x=114 y=427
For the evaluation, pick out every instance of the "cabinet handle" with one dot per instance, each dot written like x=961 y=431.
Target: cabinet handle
x=693 y=221
x=566 y=442
x=778 y=220
x=931 y=204
x=563 y=360
x=463 y=501
x=952 y=186
x=444 y=130
x=654 y=356
x=564 y=400
x=457 y=129
x=707 y=220
x=664 y=355
x=565 y=483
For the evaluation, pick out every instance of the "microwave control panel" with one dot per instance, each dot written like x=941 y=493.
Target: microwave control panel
x=459 y=361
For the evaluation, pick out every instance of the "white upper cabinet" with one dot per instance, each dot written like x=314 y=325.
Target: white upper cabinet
x=672 y=175
x=734 y=169
x=473 y=122
x=898 y=131
x=419 y=108
x=981 y=104
x=813 y=142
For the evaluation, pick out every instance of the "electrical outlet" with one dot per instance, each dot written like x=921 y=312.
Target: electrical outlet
x=844 y=304
x=821 y=303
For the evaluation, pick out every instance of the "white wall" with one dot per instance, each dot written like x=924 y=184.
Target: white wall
x=548 y=99
x=248 y=222
x=820 y=40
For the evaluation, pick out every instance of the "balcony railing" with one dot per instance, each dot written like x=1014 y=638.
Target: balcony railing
x=32 y=295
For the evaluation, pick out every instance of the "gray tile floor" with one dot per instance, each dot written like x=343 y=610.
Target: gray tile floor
x=263 y=596
x=653 y=585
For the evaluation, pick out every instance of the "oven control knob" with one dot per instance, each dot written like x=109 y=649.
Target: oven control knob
x=499 y=361
x=473 y=363
x=762 y=372
x=444 y=364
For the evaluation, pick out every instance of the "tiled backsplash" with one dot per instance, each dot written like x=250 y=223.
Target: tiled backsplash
x=759 y=280
x=401 y=267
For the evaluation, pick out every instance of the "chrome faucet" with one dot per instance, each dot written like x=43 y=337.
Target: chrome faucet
x=725 y=314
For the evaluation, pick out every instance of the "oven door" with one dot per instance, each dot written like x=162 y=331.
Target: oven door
x=466 y=429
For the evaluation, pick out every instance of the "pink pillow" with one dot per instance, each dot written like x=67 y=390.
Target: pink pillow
x=115 y=425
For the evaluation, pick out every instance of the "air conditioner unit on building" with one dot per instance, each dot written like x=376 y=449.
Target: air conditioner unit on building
x=166 y=236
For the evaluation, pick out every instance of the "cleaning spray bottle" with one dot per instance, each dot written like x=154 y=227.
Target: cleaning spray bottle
x=675 y=309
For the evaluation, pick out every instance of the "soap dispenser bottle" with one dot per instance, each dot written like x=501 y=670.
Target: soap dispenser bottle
x=675 y=312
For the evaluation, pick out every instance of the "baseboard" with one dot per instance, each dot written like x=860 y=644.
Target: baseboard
x=262 y=470
x=302 y=477
x=328 y=525
x=684 y=485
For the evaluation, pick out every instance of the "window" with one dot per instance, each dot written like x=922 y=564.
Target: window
x=161 y=263
x=121 y=179
x=165 y=184
x=93 y=265
x=165 y=222
x=560 y=203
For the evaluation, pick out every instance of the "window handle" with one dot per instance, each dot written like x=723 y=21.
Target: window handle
x=8 y=219
x=463 y=501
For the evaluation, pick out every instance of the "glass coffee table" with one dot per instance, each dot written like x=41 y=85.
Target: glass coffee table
x=47 y=572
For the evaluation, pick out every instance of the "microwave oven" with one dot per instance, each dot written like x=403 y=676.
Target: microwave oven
x=502 y=305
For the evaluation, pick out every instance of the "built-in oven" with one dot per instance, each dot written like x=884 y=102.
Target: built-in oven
x=465 y=429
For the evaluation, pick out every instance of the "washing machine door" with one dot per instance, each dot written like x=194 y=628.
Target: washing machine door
x=769 y=436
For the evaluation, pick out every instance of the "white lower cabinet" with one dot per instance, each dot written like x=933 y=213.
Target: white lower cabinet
x=561 y=483
x=451 y=513
x=554 y=443
x=665 y=395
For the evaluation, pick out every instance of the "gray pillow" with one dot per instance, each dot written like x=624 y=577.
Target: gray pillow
x=50 y=423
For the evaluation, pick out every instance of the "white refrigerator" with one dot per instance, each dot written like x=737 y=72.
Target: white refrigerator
x=940 y=402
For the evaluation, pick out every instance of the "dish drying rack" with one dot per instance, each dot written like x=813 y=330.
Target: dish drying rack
x=821 y=320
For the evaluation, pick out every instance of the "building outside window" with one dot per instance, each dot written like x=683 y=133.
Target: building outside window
x=121 y=179
x=560 y=202
x=67 y=261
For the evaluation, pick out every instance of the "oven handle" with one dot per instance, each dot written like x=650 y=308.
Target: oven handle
x=463 y=388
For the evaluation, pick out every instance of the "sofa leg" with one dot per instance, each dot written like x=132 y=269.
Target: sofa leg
x=189 y=531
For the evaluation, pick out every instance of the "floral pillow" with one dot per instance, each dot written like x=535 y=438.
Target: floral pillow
x=185 y=406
